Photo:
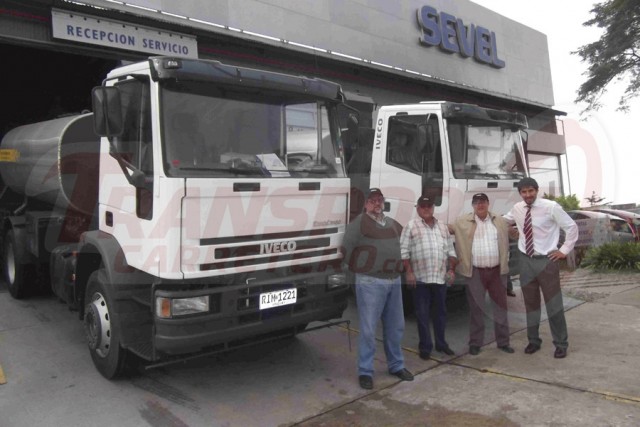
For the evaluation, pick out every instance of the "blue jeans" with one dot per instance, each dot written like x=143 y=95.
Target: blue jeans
x=379 y=299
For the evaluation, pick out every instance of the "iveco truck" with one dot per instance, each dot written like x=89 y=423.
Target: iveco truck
x=200 y=207
x=445 y=150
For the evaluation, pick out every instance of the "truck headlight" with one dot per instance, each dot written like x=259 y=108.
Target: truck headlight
x=172 y=307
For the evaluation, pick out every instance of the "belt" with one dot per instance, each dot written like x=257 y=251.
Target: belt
x=533 y=256
x=380 y=275
x=487 y=268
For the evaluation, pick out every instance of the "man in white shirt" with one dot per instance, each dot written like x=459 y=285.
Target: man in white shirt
x=539 y=222
x=482 y=245
x=429 y=262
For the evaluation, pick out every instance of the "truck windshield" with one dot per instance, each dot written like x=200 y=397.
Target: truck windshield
x=485 y=151
x=212 y=131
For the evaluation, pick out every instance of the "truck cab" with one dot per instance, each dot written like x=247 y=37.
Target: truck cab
x=204 y=207
x=445 y=150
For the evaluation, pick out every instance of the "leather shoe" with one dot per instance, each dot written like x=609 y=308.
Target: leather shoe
x=403 y=374
x=425 y=355
x=531 y=348
x=560 y=353
x=474 y=350
x=511 y=293
x=366 y=382
x=446 y=350
x=507 y=349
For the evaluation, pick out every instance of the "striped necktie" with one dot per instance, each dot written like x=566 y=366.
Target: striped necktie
x=528 y=232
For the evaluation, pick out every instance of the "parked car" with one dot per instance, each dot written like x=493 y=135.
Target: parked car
x=632 y=218
x=597 y=228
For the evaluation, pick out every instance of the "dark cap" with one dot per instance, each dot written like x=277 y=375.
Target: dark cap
x=425 y=201
x=479 y=196
x=527 y=182
x=374 y=192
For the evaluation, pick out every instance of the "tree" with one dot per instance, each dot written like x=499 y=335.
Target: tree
x=568 y=203
x=615 y=56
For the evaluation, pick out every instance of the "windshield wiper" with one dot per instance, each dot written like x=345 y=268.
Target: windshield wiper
x=312 y=169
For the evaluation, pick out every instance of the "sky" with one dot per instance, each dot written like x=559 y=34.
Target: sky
x=603 y=148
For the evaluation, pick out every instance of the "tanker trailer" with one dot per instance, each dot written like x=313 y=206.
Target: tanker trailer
x=49 y=172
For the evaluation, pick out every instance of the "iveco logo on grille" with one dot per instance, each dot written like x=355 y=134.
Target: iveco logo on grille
x=277 y=247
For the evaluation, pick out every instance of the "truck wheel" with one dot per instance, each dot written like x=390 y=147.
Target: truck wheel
x=102 y=327
x=16 y=274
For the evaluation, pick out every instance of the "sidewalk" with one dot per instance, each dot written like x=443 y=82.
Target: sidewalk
x=597 y=384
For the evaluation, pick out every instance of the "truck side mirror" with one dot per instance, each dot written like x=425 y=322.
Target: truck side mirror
x=107 y=111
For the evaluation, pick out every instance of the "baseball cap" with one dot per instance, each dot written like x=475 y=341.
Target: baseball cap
x=425 y=201
x=374 y=192
x=479 y=196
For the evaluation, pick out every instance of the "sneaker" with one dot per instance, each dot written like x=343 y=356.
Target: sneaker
x=403 y=374
x=474 y=350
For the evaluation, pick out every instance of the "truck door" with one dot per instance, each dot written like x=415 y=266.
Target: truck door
x=411 y=163
x=129 y=210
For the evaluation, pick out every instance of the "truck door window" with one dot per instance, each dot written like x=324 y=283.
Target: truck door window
x=414 y=145
x=135 y=142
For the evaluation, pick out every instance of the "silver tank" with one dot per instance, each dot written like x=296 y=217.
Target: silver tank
x=56 y=161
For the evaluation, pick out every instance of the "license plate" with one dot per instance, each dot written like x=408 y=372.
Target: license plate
x=278 y=298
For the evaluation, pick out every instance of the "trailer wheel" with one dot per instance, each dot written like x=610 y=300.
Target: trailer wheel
x=102 y=327
x=16 y=274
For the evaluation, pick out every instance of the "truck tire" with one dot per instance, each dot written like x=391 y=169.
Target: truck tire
x=17 y=276
x=102 y=327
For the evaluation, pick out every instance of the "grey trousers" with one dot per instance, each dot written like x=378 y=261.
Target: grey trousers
x=485 y=280
x=543 y=275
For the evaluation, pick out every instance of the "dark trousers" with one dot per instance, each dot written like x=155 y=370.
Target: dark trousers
x=543 y=275
x=485 y=280
x=424 y=296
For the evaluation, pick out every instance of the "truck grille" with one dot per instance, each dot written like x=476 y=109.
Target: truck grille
x=266 y=260
x=231 y=253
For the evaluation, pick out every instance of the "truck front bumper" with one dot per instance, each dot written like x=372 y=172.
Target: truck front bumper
x=235 y=318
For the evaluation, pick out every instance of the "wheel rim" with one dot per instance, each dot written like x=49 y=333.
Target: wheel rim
x=98 y=325
x=10 y=261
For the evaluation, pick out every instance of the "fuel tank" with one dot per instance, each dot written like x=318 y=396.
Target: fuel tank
x=56 y=161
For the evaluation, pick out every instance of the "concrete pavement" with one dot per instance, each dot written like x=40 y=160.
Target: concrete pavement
x=311 y=380
x=597 y=384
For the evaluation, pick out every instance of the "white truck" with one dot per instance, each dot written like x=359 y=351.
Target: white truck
x=446 y=150
x=200 y=207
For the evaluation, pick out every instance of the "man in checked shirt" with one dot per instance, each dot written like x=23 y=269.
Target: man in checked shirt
x=482 y=244
x=429 y=261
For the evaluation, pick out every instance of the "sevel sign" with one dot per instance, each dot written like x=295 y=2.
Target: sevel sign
x=445 y=30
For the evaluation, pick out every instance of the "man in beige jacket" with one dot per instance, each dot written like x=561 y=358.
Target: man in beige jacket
x=482 y=245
